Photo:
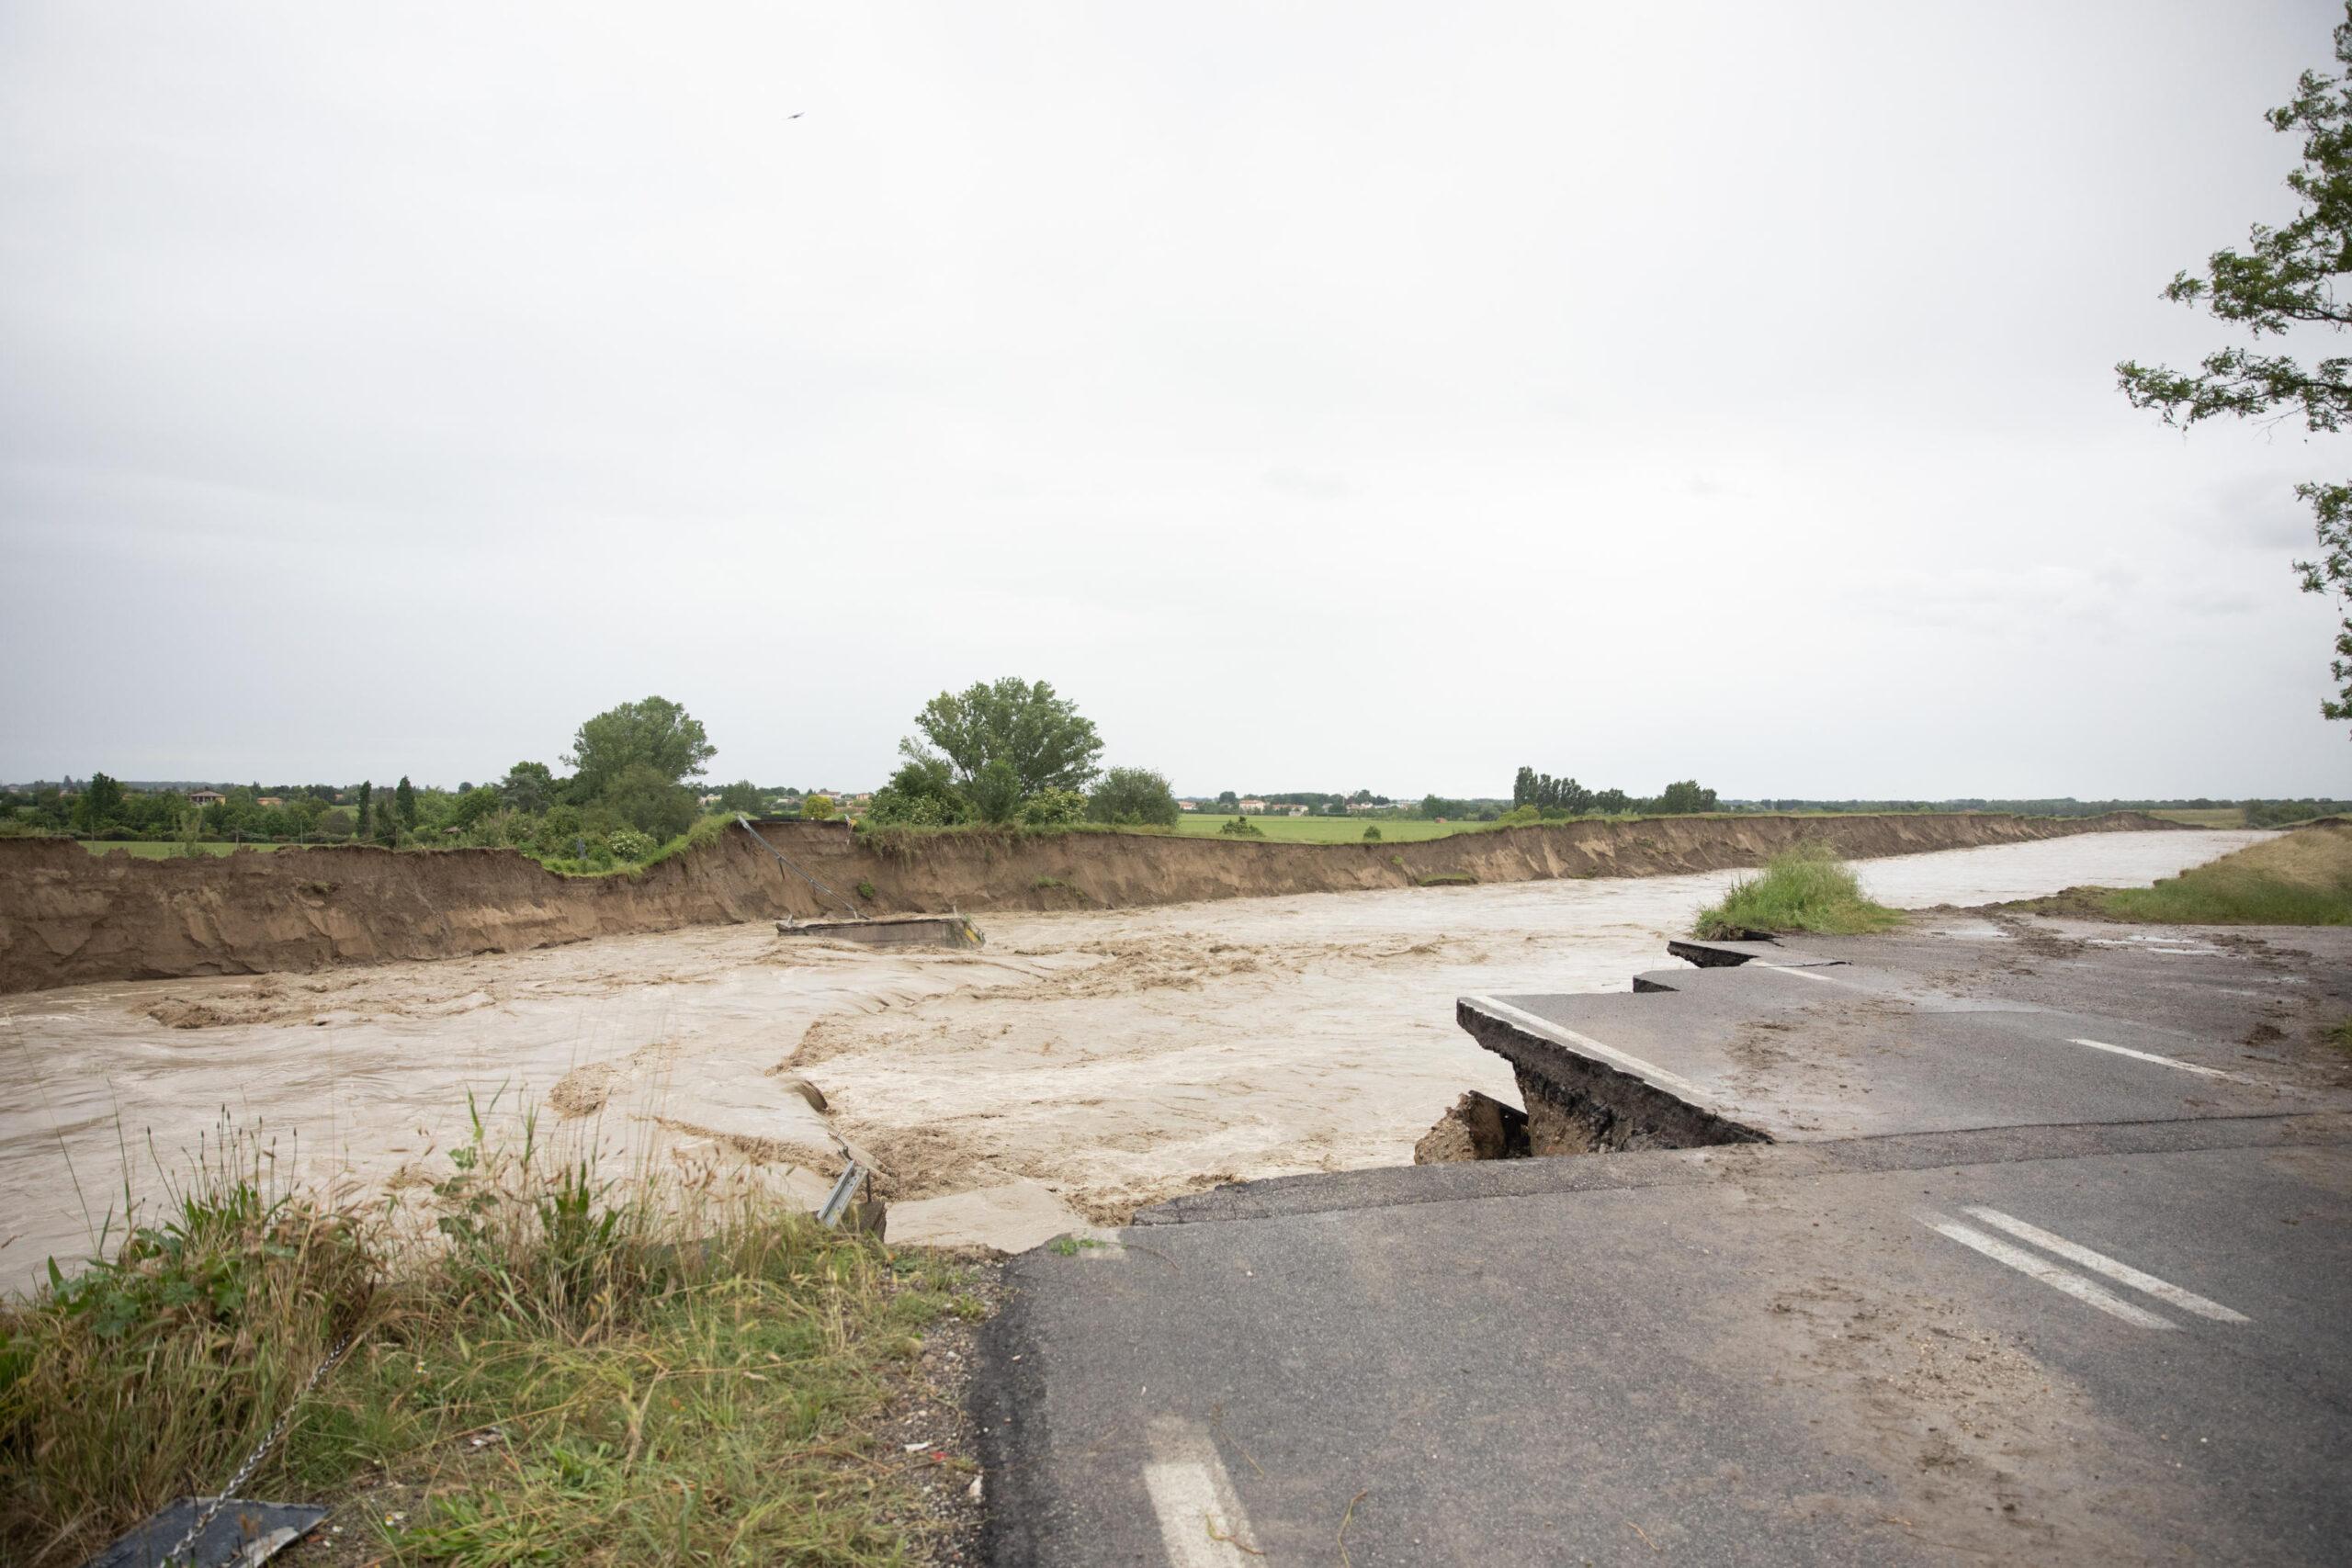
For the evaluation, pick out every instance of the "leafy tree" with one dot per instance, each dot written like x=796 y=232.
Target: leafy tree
x=743 y=795
x=2286 y=277
x=818 y=807
x=655 y=733
x=1613 y=802
x=650 y=801
x=996 y=795
x=1242 y=828
x=1227 y=799
x=366 y=808
x=529 y=786
x=475 y=805
x=1040 y=739
x=100 y=805
x=922 y=793
x=404 y=802
x=1134 y=798
x=388 y=829
x=1684 y=798
x=1370 y=832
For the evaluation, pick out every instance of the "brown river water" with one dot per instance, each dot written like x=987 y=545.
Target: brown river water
x=1089 y=1062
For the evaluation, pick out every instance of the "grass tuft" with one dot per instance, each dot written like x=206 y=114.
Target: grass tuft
x=1806 y=889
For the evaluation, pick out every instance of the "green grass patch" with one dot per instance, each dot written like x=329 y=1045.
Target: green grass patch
x=2301 y=878
x=569 y=1376
x=2206 y=817
x=1806 y=889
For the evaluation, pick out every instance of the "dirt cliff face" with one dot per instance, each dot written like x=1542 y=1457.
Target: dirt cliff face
x=68 y=916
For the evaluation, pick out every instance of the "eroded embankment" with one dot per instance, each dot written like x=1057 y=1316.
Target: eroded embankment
x=69 y=916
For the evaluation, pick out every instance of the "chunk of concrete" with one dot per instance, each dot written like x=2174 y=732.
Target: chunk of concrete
x=1012 y=1218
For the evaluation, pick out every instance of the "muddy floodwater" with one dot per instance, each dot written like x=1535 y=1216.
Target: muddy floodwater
x=1094 y=1061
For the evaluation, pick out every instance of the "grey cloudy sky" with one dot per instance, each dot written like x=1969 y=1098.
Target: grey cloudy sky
x=1325 y=396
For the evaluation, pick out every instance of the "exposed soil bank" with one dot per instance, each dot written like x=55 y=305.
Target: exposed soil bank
x=68 y=916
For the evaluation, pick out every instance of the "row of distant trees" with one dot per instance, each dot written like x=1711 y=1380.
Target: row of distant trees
x=1538 y=796
x=629 y=793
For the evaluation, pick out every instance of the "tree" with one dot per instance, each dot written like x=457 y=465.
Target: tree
x=475 y=805
x=404 y=802
x=921 y=793
x=743 y=795
x=818 y=807
x=1039 y=736
x=1682 y=799
x=529 y=786
x=2286 y=277
x=996 y=795
x=100 y=805
x=388 y=829
x=650 y=802
x=655 y=733
x=1134 y=798
x=367 y=806
x=1611 y=802
x=1227 y=799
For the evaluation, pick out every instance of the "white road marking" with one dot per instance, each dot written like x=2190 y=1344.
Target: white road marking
x=2049 y=1273
x=1801 y=973
x=2099 y=1263
x=1625 y=1059
x=2160 y=1061
x=1200 y=1521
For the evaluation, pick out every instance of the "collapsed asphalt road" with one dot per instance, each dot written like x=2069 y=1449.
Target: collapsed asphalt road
x=2037 y=1261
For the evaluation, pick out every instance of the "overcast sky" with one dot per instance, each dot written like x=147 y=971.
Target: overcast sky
x=1324 y=396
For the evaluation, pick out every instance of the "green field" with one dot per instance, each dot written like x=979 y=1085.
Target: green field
x=2215 y=817
x=1326 y=829
x=145 y=851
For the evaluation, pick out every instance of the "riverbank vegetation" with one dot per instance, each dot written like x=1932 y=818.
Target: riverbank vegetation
x=2301 y=878
x=1806 y=889
x=566 y=1375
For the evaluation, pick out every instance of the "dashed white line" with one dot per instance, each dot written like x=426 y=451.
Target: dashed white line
x=2099 y=1263
x=1200 y=1521
x=2048 y=1273
x=1625 y=1059
x=2160 y=1061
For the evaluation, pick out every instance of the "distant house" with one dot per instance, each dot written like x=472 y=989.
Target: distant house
x=1291 y=810
x=1188 y=805
x=269 y=800
x=205 y=797
x=1253 y=807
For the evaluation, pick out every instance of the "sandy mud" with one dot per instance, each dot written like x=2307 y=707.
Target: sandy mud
x=1081 y=1064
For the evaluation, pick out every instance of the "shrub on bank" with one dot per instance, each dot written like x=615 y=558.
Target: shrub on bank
x=1806 y=890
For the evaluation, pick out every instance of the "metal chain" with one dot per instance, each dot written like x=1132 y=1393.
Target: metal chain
x=205 y=1515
